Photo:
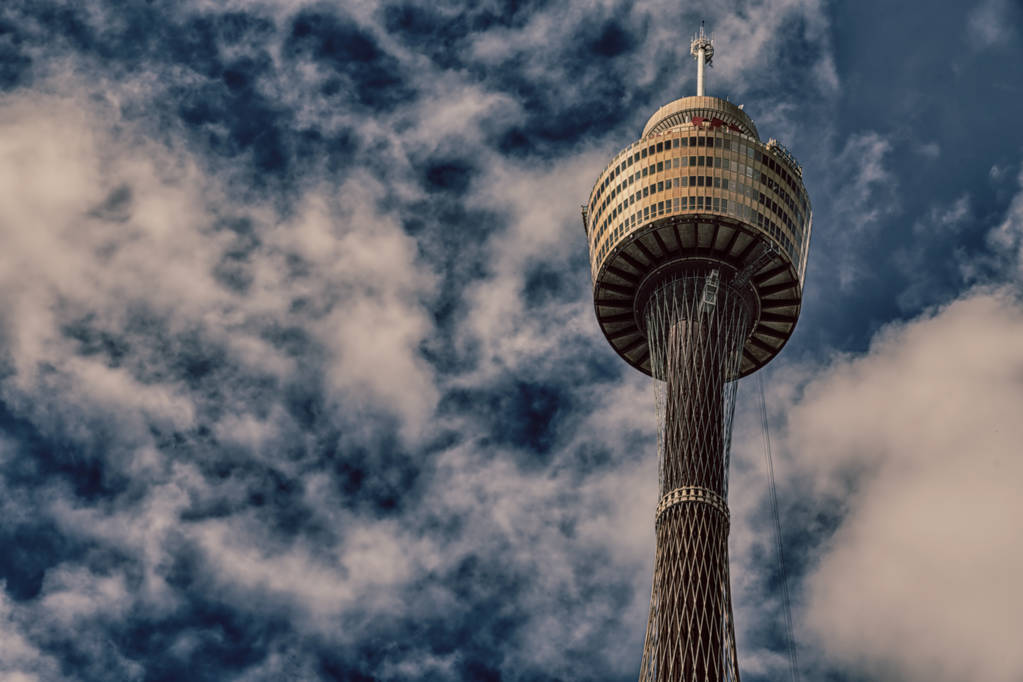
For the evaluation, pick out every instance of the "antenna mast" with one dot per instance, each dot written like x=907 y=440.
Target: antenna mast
x=702 y=48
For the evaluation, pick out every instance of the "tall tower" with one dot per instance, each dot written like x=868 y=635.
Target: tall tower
x=698 y=236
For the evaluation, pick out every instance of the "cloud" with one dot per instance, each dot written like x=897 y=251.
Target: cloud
x=20 y=659
x=989 y=23
x=917 y=440
x=1006 y=239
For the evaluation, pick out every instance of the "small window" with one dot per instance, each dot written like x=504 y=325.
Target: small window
x=646 y=212
x=676 y=203
x=635 y=157
x=660 y=166
x=692 y=181
x=660 y=207
x=717 y=162
x=685 y=142
x=660 y=146
x=692 y=202
x=675 y=162
x=701 y=141
x=675 y=182
x=717 y=182
x=692 y=141
x=699 y=202
x=724 y=163
x=644 y=171
x=685 y=161
x=700 y=160
x=692 y=160
x=646 y=191
x=650 y=150
x=728 y=144
x=709 y=181
x=717 y=204
x=710 y=141
x=642 y=153
x=724 y=183
x=724 y=205
x=660 y=186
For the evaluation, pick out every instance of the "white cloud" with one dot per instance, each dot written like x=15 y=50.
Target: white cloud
x=989 y=24
x=918 y=439
x=929 y=150
x=1006 y=239
x=100 y=225
x=20 y=659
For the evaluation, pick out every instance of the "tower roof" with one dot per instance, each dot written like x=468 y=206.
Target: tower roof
x=683 y=111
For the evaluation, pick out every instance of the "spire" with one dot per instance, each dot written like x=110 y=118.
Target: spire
x=702 y=48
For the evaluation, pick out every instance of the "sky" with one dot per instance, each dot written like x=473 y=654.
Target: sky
x=300 y=377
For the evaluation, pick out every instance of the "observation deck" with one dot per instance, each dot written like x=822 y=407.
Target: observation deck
x=699 y=189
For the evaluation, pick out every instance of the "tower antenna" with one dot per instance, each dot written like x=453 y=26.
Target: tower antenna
x=702 y=48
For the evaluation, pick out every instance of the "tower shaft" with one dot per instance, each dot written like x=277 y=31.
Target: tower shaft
x=696 y=330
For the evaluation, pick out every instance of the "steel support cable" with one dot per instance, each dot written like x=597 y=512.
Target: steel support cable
x=793 y=661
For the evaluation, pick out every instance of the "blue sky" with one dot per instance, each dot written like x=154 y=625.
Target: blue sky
x=299 y=376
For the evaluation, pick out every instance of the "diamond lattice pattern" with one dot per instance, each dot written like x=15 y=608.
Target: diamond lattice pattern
x=696 y=326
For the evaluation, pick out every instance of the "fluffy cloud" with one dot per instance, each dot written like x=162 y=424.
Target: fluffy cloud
x=917 y=439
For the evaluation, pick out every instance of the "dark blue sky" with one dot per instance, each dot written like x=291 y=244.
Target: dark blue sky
x=299 y=378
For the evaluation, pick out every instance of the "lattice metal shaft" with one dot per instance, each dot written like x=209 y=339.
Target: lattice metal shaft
x=696 y=325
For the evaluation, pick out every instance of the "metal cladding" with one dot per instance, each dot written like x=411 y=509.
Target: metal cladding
x=698 y=236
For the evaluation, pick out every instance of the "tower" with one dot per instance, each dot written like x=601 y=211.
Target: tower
x=698 y=236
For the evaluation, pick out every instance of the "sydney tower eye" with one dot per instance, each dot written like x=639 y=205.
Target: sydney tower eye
x=698 y=236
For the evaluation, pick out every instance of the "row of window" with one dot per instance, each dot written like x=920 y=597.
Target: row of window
x=695 y=141
x=700 y=203
x=597 y=212
x=665 y=145
x=751 y=193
